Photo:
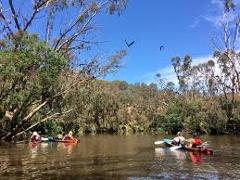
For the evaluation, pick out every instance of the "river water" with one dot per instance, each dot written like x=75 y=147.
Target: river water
x=120 y=157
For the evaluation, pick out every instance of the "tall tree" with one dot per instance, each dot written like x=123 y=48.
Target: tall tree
x=40 y=44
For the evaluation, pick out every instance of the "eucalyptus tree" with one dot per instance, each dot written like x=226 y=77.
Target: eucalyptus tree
x=182 y=68
x=41 y=46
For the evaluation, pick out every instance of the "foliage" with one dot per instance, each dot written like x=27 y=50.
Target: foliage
x=45 y=87
x=28 y=79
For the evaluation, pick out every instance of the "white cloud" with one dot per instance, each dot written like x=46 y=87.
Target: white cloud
x=215 y=14
x=219 y=3
x=195 y=23
x=168 y=74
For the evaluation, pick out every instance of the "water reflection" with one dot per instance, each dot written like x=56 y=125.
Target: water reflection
x=33 y=149
x=119 y=157
x=196 y=157
x=44 y=148
x=179 y=155
x=67 y=148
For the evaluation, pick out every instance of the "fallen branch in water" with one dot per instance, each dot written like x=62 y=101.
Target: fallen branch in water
x=56 y=115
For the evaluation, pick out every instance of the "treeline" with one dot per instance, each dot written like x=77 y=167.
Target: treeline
x=205 y=97
x=45 y=84
x=118 y=107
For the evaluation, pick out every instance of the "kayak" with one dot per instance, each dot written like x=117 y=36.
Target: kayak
x=168 y=142
x=204 y=150
x=50 y=139
x=72 y=141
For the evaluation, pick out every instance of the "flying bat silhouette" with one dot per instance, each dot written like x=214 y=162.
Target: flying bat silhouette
x=129 y=44
x=162 y=48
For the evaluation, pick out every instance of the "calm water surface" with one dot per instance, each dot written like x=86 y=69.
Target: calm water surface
x=119 y=157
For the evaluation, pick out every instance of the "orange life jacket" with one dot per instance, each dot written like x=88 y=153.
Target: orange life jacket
x=196 y=142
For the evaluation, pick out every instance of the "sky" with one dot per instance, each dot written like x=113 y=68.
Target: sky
x=181 y=26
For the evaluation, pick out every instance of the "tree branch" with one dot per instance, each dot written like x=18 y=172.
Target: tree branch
x=34 y=111
x=6 y=25
x=14 y=14
x=37 y=8
x=56 y=115
x=75 y=35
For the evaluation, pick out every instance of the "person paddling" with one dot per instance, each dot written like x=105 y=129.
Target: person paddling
x=179 y=139
x=68 y=136
x=35 y=137
x=195 y=141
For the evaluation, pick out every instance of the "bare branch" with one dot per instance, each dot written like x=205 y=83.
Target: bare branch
x=84 y=28
x=48 y=28
x=14 y=14
x=30 y=115
x=6 y=24
x=37 y=8
x=74 y=36
x=236 y=31
x=56 y=115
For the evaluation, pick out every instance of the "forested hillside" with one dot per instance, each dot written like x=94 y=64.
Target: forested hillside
x=46 y=86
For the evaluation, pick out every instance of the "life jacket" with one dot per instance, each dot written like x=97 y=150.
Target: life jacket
x=196 y=142
x=35 y=138
x=67 y=137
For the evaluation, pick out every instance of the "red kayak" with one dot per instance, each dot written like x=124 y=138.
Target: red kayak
x=207 y=151
x=203 y=150
x=71 y=141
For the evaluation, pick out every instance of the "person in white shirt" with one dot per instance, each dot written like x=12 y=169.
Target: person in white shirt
x=179 y=139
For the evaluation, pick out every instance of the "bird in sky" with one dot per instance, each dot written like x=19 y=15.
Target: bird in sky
x=162 y=48
x=129 y=44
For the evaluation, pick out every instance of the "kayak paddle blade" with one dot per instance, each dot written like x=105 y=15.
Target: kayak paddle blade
x=175 y=148
x=158 y=142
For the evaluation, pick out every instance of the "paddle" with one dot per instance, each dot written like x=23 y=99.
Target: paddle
x=19 y=142
x=203 y=144
x=175 y=147
x=161 y=142
x=44 y=139
x=158 y=142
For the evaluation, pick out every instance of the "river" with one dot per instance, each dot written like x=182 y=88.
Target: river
x=120 y=157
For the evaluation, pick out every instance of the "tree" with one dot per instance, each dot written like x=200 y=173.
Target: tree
x=40 y=58
x=229 y=5
x=29 y=77
x=182 y=68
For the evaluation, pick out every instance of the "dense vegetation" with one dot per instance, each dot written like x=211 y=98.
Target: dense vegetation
x=45 y=85
x=125 y=108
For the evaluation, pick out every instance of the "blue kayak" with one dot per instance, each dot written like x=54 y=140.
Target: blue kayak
x=168 y=142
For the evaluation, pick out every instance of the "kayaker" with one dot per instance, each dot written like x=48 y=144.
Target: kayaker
x=35 y=137
x=68 y=136
x=195 y=141
x=59 y=136
x=179 y=139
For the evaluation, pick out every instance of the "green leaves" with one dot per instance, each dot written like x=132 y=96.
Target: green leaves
x=229 y=5
x=29 y=74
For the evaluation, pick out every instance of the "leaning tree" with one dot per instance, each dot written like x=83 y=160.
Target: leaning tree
x=41 y=44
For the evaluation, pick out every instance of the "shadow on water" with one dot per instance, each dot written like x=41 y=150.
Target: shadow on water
x=119 y=157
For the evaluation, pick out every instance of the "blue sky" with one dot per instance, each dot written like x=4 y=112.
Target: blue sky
x=182 y=26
